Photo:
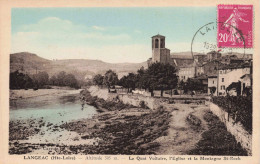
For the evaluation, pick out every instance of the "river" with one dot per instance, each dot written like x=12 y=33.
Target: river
x=53 y=110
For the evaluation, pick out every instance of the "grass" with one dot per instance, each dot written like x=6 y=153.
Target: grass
x=217 y=140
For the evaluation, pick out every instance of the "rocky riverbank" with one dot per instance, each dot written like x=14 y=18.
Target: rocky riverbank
x=118 y=129
x=104 y=105
x=129 y=131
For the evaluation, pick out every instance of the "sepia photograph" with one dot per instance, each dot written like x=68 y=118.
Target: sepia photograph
x=132 y=81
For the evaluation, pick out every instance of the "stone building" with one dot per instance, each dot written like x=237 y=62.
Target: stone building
x=213 y=55
x=246 y=82
x=160 y=54
x=181 y=60
x=200 y=58
x=186 y=72
x=229 y=74
x=212 y=85
x=199 y=70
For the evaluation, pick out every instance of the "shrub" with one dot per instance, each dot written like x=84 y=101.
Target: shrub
x=239 y=107
x=143 y=105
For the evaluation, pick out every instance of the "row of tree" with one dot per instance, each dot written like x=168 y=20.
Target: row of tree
x=191 y=85
x=63 y=79
x=20 y=80
x=157 y=77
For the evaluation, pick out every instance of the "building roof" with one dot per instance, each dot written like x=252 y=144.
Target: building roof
x=213 y=52
x=201 y=55
x=234 y=66
x=181 y=56
x=158 y=36
x=212 y=76
x=189 y=65
x=202 y=77
x=246 y=75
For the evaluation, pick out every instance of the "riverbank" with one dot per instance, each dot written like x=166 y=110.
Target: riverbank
x=129 y=130
x=23 y=94
x=132 y=128
x=191 y=128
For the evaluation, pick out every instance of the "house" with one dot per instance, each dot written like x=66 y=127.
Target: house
x=212 y=85
x=246 y=84
x=230 y=74
x=181 y=60
x=199 y=70
x=203 y=81
x=200 y=58
x=211 y=67
x=186 y=72
x=213 y=55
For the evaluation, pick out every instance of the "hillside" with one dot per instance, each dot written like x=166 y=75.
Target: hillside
x=27 y=62
x=81 y=68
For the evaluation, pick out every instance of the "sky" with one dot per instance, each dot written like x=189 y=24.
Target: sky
x=109 y=34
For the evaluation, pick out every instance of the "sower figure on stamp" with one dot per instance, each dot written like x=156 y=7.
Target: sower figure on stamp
x=232 y=24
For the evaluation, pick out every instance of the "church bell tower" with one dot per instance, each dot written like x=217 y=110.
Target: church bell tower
x=159 y=52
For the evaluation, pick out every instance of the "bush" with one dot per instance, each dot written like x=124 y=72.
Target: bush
x=143 y=105
x=239 y=107
x=217 y=140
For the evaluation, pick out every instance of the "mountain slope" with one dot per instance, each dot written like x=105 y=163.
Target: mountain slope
x=27 y=62
x=30 y=63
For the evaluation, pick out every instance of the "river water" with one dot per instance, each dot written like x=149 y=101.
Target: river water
x=53 y=110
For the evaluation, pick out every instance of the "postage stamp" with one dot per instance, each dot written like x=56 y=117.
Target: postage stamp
x=235 y=28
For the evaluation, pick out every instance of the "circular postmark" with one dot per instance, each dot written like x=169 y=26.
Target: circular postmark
x=206 y=39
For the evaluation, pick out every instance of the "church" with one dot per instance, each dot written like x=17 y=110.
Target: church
x=160 y=54
x=185 y=64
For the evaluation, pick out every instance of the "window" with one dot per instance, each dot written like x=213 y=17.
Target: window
x=213 y=82
x=220 y=72
x=222 y=87
x=156 y=43
x=222 y=79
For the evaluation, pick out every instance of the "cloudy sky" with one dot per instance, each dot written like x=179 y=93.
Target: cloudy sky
x=108 y=34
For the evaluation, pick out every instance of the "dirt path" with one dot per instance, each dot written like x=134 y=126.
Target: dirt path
x=181 y=136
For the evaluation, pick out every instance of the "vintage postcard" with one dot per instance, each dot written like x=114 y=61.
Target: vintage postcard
x=166 y=82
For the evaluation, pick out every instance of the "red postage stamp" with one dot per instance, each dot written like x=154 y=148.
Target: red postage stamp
x=235 y=26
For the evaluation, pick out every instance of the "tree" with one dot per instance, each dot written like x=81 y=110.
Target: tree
x=63 y=79
x=161 y=76
x=110 y=78
x=193 y=85
x=98 y=79
x=237 y=86
x=212 y=90
x=70 y=80
x=53 y=80
x=60 y=78
x=141 y=78
x=181 y=85
x=20 y=81
x=128 y=81
x=41 y=79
